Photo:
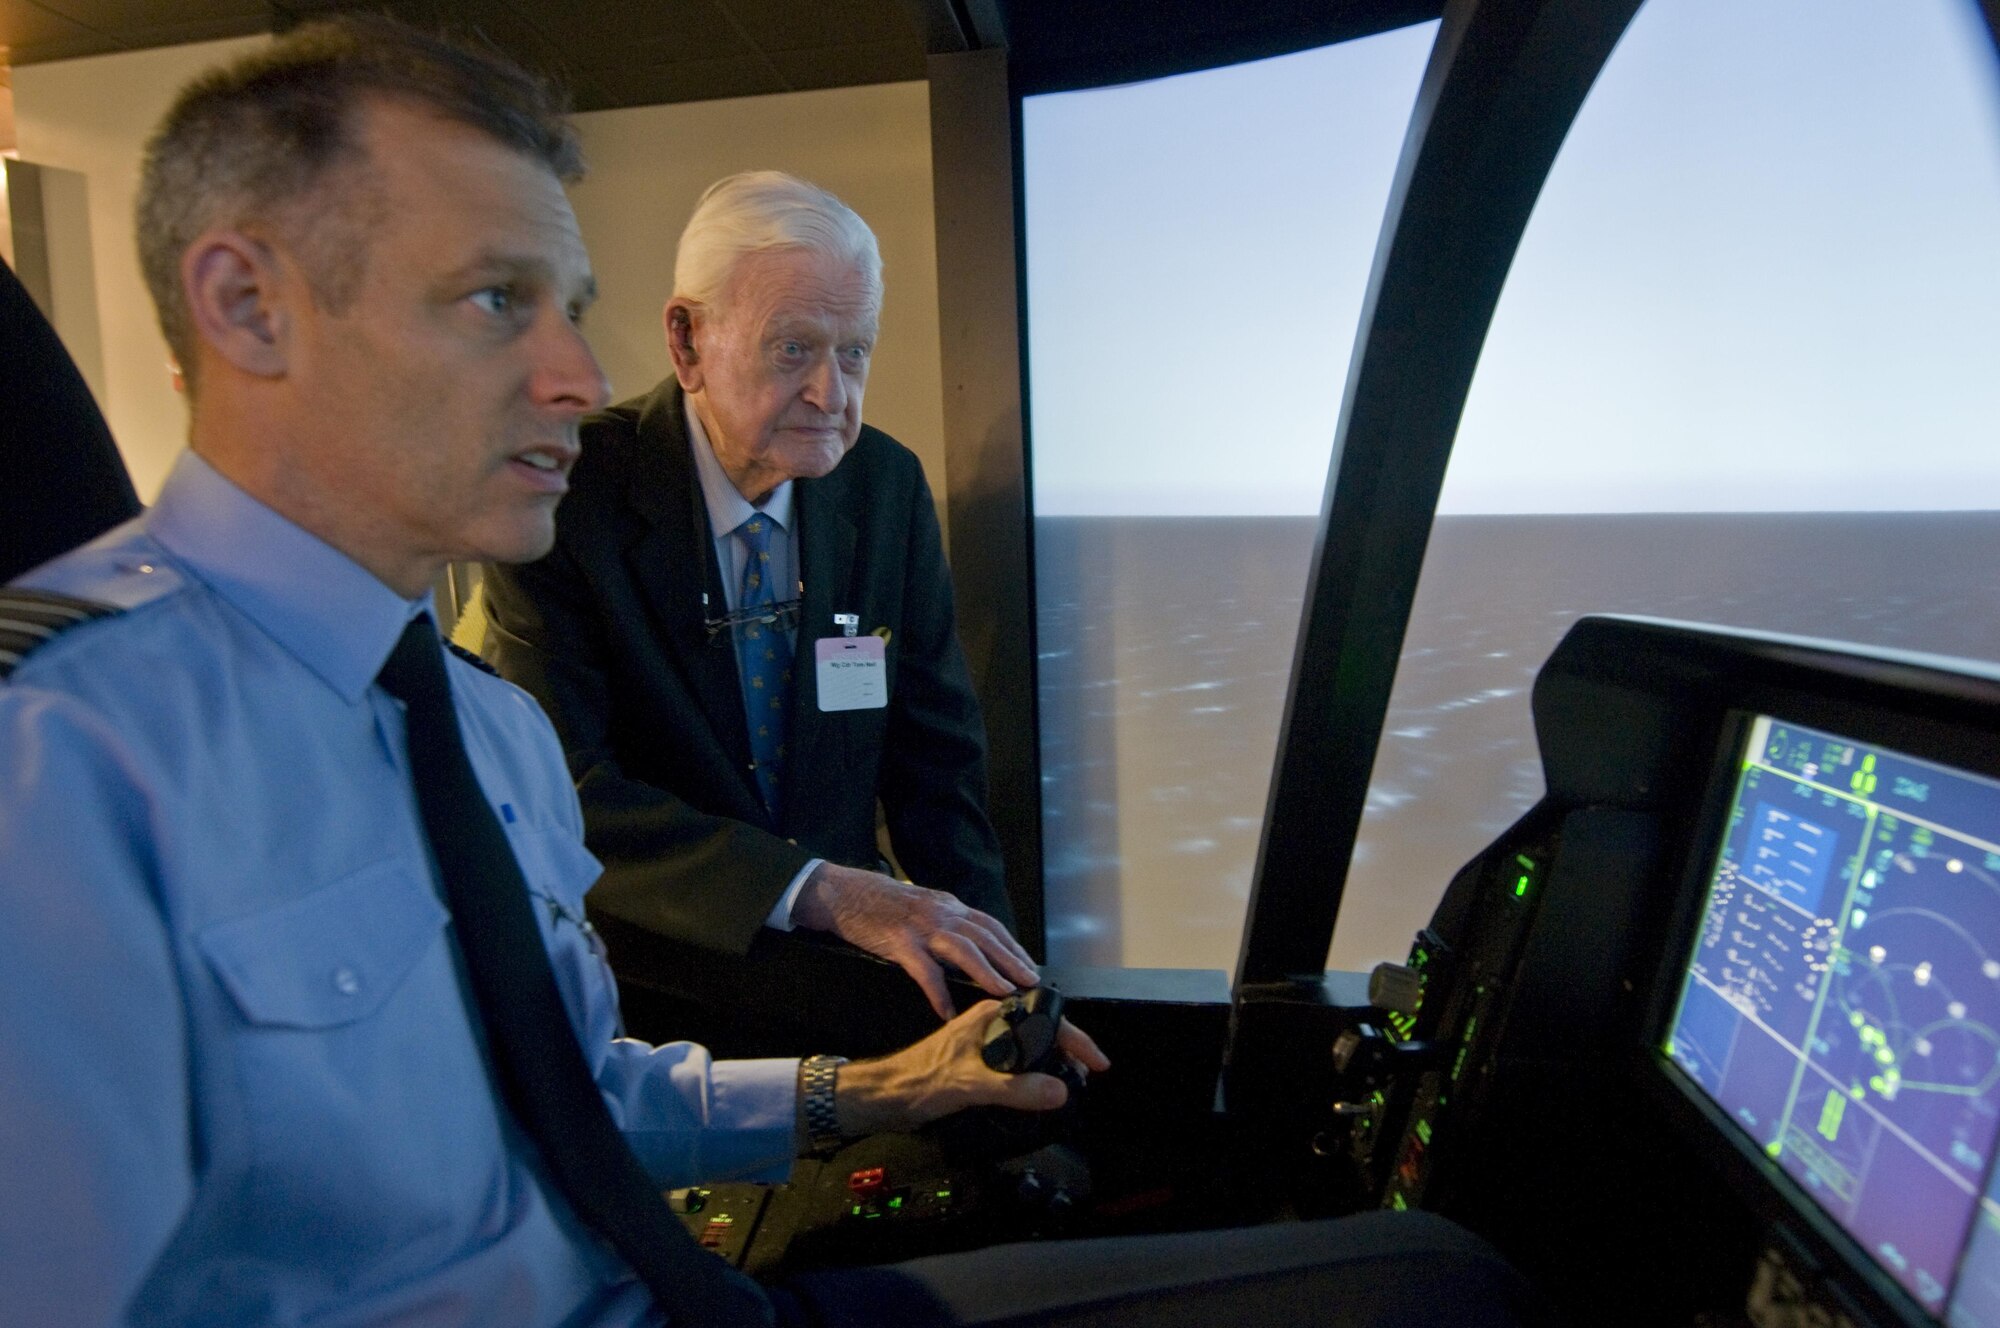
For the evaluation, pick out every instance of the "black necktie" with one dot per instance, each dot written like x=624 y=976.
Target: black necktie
x=536 y=1056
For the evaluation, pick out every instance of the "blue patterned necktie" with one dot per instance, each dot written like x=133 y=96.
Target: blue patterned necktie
x=764 y=660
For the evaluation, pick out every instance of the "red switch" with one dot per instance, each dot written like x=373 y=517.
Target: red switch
x=868 y=1183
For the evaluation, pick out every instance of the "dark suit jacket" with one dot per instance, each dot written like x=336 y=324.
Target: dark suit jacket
x=607 y=632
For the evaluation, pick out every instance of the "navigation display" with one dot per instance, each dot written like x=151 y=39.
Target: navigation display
x=1842 y=1001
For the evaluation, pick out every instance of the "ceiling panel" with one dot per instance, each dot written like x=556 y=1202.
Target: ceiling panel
x=850 y=66
x=24 y=26
x=701 y=80
x=207 y=29
x=795 y=25
x=606 y=33
x=120 y=18
x=638 y=52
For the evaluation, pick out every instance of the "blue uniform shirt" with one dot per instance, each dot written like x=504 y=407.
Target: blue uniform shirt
x=239 y=1082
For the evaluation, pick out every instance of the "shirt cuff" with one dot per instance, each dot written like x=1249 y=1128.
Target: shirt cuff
x=780 y=918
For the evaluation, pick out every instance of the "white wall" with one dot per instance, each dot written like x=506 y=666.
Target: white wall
x=92 y=116
x=648 y=165
x=871 y=146
x=6 y=148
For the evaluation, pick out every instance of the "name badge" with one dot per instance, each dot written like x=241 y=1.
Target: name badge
x=852 y=672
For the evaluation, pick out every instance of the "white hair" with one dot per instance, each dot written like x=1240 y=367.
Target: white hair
x=756 y=211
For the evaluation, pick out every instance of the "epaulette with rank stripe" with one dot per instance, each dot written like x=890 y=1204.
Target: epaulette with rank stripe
x=30 y=619
x=470 y=658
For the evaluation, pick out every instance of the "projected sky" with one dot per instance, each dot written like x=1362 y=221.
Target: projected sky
x=1764 y=275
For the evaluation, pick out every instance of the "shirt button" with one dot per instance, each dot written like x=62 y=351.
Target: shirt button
x=346 y=981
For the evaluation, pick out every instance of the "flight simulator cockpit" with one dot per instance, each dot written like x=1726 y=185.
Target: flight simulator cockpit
x=1726 y=996
x=1708 y=1037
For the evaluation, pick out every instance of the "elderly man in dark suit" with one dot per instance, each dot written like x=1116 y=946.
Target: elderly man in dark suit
x=745 y=633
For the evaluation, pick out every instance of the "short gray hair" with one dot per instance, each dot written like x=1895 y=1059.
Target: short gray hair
x=756 y=211
x=255 y=139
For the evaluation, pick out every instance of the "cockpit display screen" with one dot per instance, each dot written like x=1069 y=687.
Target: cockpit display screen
x=1842 y=1000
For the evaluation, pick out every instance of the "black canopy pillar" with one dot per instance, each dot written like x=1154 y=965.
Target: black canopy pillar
x=1505 y=80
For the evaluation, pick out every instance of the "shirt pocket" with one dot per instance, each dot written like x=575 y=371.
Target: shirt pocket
x=558 y=870
x=557 y=867
x=329 y=958
x=345 y=1085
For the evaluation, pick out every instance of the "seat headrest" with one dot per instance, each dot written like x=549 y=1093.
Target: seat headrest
x=65 y=483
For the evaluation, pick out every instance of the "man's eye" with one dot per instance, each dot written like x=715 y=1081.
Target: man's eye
x=854 y=355
x=496 y=299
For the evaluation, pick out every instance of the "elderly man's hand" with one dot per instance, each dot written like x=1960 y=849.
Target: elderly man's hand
x=945 y=1073
x=914 y=928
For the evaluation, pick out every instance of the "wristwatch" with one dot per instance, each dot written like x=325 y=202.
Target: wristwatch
x=818 y=1076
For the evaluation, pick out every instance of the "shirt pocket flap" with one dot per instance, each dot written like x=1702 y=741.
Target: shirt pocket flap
x=331 y=957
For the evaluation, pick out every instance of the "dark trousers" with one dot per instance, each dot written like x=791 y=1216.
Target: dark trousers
x=1374 y=1270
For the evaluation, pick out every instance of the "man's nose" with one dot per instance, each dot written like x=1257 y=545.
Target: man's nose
x=826 y=386
x=567 y=373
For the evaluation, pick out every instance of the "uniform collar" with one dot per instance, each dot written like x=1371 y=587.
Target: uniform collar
x=324 y=608
x=727 y=507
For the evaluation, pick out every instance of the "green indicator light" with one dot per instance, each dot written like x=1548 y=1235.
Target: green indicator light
x=896 y=1202
x=1526 y=862
x=944 y=1194
x=1423 y=1132
x=1521 y=888
x=855 y=1211
x=1773 y=1148
x=1398 y=1202
x=1830 y=1114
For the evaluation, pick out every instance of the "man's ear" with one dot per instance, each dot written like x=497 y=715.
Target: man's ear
x=236 y=296
x=684 y=320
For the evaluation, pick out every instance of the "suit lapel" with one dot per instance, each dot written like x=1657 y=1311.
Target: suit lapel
x=673 y=564
x=826 y=565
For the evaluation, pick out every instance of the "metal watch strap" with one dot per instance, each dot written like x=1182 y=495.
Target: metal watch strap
x=818 y=1076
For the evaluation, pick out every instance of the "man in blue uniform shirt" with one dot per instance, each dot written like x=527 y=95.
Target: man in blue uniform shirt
x=254 y=1064
x=240 y=1077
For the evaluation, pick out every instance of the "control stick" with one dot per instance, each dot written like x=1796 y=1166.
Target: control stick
x=1022 y=1036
